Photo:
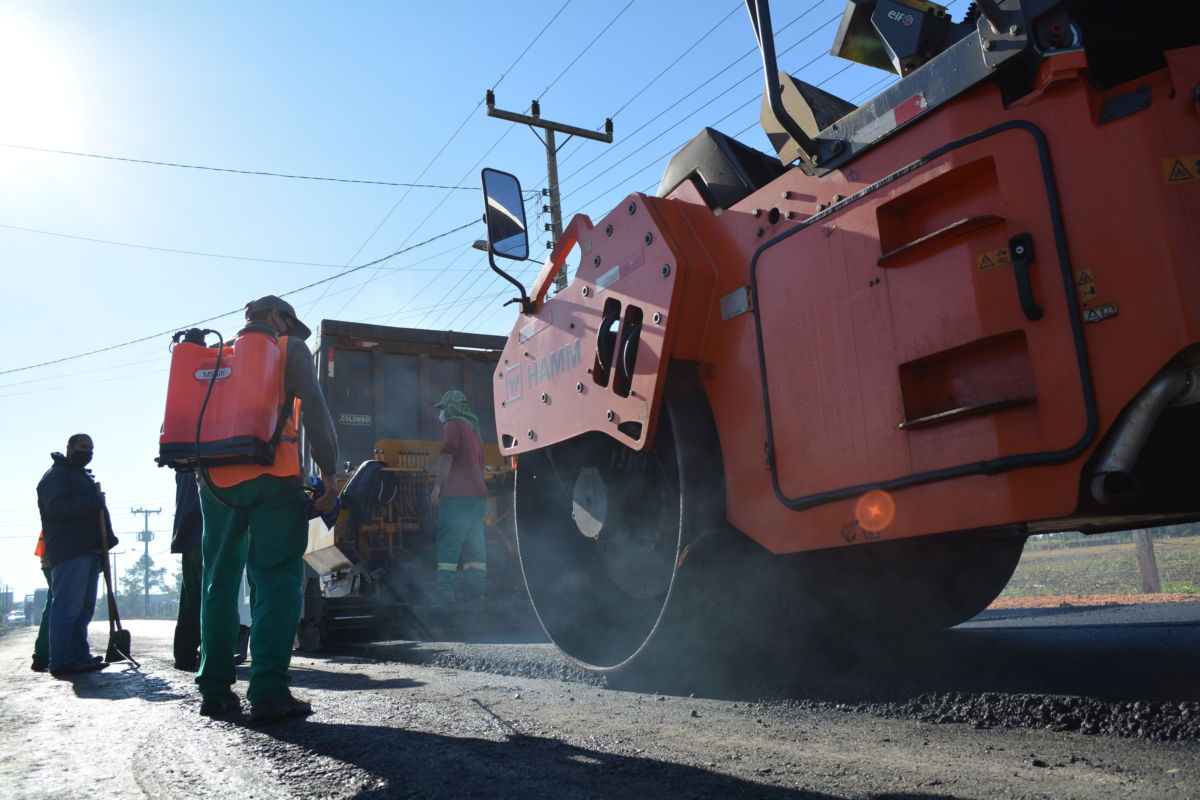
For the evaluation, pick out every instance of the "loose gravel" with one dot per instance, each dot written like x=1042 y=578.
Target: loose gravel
x=840 y=691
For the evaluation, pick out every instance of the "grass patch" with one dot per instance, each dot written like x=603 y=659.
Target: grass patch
x=1104 y=569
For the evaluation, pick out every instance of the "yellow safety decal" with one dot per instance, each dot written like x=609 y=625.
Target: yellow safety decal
x=1181 y=169
x=1085 y=285
x=992 y=258
x=643 y=410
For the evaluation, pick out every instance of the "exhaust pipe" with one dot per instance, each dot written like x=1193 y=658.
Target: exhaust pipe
x=1113 y=479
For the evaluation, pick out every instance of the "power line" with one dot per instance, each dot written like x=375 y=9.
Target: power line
x=579 y=144
x=678 y=58
x=685 y=96
x=433 y=210
x=545 y=27
x=259 y=173
x=696 y=110
x=170 y=249
x=238 y=310
x=595 y=39
x=463 y=291
x=438 y=155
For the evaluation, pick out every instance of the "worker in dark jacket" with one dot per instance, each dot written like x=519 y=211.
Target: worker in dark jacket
x=72 y=510
x=254 y=517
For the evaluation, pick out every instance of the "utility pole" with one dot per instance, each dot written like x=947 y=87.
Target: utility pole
x=147 y=537
x=534 y=120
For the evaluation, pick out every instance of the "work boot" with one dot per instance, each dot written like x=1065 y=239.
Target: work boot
x=279 y=709
x=39 y=666
x=221 y=706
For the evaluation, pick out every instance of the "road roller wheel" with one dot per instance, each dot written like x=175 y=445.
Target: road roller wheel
x=630 y=563
x=604 y=532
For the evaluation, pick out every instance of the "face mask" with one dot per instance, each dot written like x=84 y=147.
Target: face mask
x=442 y=415
x=80 y=458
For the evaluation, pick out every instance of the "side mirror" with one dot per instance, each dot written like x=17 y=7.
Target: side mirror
x=505 y=210
x=507 y=235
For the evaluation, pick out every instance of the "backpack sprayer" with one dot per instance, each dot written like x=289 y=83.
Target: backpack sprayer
x=243 y=384
x=224 y=403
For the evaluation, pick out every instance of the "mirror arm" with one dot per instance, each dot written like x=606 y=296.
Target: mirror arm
x=527 y=305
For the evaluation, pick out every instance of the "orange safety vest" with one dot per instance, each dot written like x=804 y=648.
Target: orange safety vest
x=287 y=449
x=40 y=549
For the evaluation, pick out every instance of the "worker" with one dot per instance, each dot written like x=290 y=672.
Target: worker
x=460 y=497
x=185 y=540
x=254 y=518
x=72 y=508
x=41 y=646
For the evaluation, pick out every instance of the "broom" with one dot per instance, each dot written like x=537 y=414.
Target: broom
x=119 y=643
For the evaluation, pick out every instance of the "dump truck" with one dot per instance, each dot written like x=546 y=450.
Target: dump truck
x=372 y=574
x=835 y=387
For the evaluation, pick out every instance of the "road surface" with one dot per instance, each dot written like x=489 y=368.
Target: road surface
x=969 y=714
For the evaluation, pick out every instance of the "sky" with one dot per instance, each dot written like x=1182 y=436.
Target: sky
x=106 y=255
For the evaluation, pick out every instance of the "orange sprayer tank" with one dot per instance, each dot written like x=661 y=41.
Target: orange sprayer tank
x=240 y=419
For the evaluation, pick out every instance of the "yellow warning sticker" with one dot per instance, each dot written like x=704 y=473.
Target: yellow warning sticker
x=1085 y=285
x=992 y=258
x=1181 y=169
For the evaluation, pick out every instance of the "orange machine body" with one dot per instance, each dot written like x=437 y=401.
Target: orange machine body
x=240 y=420
x=862 y=329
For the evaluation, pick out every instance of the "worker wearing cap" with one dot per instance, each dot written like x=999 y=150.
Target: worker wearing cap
x=460 y=497
x=254 y=517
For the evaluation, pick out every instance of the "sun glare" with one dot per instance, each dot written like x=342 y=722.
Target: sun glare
x=38 y=101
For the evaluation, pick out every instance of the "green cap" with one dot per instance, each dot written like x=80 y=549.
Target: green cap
x=452 y=396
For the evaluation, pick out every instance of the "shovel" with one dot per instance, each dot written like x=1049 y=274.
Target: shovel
x=119 y=643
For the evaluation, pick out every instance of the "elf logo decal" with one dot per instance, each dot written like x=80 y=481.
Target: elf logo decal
x=564 y=358
x=207 y=374
x=901 y=17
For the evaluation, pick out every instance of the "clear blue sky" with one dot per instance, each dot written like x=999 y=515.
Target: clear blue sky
x=376 y=91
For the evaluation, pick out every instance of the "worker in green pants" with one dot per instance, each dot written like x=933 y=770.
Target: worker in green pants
x=460 y=497
x=268 y=540
x=255 y=517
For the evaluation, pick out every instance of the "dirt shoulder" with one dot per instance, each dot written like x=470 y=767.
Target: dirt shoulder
x=1068 y=600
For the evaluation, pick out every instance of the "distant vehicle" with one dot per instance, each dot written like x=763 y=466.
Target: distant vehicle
x=15 y=617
